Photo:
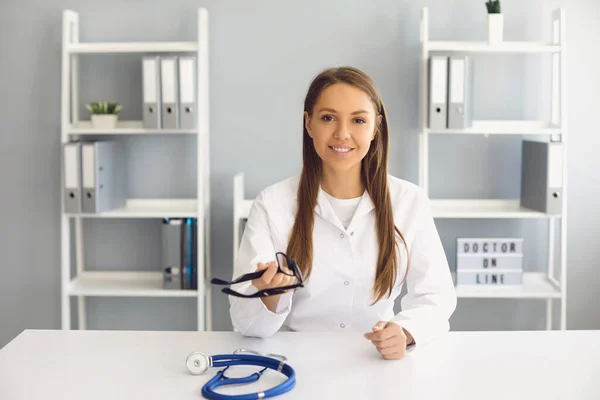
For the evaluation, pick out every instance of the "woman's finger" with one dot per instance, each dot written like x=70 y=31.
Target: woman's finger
x=286 y=280
x=385 y=344
x=269 y=274
x=278 y=280
x=394 y=356
x=389 y=350
x=262 y=266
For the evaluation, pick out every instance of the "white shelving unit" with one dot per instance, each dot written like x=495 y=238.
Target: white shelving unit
x=241 y=209
x=134 y=284
x=535 y=285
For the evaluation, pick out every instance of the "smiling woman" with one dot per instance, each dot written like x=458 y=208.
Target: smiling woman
x=352 y=229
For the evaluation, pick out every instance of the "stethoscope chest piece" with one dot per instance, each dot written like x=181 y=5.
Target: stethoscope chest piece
x=197 y=363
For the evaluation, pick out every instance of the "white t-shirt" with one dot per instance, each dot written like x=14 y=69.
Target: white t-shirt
x=344 y=208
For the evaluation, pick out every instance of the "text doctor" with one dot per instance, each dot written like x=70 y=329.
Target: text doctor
x=356 y=233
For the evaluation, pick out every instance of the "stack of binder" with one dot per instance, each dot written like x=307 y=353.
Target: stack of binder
x=94 y=176
x=179 y=253
x=169 y=92
x=492 y=262
x=450 y=92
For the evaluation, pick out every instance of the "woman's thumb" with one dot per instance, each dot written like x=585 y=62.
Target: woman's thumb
x=379 y=326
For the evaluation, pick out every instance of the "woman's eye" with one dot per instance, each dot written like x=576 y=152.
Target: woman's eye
x=360 y=120
x=327 y=118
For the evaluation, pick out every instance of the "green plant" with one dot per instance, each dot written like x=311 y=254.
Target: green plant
x=493 y=6
x=103 y=107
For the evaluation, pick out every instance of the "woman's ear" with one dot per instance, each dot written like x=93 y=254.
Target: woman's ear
x=307 y=124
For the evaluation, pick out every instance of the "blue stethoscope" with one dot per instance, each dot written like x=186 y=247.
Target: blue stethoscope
x=198 y=363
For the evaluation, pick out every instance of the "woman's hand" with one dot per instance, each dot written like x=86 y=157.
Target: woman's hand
x=390 y=339
x=272 y=279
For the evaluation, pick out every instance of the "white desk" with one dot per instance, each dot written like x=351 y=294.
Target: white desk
x=112 y=365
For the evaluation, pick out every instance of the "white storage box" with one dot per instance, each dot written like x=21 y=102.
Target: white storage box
x=489 y=245
x=489 y=278
x=489 y=261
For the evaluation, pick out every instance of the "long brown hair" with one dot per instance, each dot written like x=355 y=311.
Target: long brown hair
x=373 y=173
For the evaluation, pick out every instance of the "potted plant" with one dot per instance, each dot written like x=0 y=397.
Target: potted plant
x=495 y=21
x=104 y=114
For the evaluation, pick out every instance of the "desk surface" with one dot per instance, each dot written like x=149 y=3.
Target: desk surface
x=50 y=365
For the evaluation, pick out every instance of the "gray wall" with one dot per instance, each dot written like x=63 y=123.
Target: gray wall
x=263 y=55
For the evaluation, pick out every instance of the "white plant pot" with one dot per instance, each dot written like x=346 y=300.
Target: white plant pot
x=495 y=28
x=104 y=121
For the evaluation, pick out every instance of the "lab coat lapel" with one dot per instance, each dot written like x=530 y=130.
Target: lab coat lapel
x=364 y=207
x=325 y=211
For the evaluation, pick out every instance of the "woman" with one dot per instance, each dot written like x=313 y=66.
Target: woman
x=356 y=233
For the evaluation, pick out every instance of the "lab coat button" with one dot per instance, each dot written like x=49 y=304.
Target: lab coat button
x=351 y=233
x=346 y=283
x=342 y=235
x=342 y=326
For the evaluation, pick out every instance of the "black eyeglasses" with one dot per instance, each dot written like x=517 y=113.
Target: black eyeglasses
x=289 y=268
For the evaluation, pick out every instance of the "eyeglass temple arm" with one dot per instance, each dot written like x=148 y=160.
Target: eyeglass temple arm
x=262 y=292
x=244 y=278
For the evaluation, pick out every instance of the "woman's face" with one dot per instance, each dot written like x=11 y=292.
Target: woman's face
x=342 y=126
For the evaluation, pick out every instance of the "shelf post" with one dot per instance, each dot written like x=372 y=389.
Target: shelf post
x=559 y=35
x=423 y=96
x=204 y=293
x=69 y=32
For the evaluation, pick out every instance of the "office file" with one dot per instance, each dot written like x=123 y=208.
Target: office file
x=171 y=253
x=169 y=92
x=103 y=179
x=72 y=177
x=460 y=114
x=187 y=93
x=438 y=92
x=151 y=93
x=542 y=176
x=195 y=253
x=188 y=254
x=179 y=253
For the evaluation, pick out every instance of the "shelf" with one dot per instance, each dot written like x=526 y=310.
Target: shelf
x=123 y=128
x=535 y=286
x=245 y=209
x=123 y=284
x=504 y=127
x=150 y=208
x=132 y=47
x=485 y=208
x=484 y=47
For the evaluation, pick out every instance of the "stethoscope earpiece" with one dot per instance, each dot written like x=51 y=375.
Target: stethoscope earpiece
x=197 y=363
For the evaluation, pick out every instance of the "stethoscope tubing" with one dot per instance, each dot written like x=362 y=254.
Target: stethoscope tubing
x=226 y=360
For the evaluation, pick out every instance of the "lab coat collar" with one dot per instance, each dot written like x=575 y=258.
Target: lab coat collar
x=325 y=211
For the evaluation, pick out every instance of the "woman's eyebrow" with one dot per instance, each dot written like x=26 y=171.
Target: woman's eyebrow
x=334 y=111
x=328 y=110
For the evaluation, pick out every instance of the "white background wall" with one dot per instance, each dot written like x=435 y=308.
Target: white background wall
x=263 y=55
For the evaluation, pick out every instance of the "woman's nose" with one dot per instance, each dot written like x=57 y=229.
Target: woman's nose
x=343 y=131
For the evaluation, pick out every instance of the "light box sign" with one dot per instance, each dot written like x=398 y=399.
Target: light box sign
x=489 y=261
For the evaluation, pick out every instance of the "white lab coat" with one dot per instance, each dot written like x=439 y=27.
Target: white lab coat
x=337 y=296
